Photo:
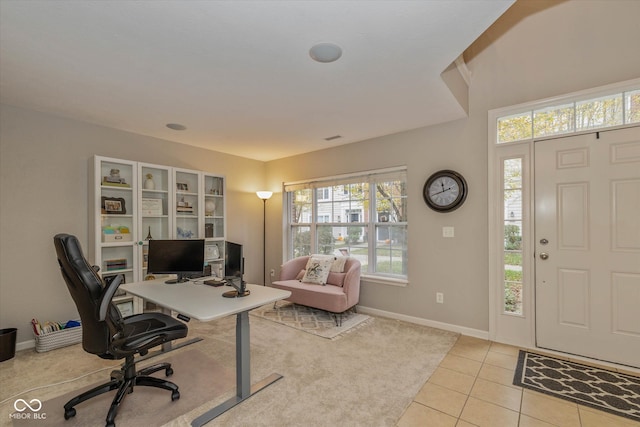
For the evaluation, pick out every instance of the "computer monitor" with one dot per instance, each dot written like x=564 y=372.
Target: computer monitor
x=234 y=269
x=182 y=257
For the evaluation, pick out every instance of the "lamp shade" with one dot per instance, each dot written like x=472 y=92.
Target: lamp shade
x=264 y=195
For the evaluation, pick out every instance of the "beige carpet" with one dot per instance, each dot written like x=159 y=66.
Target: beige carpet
x=311 y=320
x=198 y=376
x=368 y=377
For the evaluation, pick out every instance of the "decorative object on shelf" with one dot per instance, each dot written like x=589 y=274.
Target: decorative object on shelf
x=151 y=206
x=209 y=207
x=184 y=207
x=115 y=233
x=182 y=187
x=149 y=236
x=185 y=234
x=114 y=179
x=116 y=264
x=148 y=183
x=113 y=205
x=211 y=252
x=445 y=191
x=208 y=230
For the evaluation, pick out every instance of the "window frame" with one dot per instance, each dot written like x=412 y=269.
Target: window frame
x=368 y=216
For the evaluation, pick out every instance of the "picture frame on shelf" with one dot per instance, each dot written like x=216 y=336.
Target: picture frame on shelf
x=182 y=187
x=113 y=205
x=151 y=206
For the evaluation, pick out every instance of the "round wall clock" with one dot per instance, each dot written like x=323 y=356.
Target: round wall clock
x=445 y=191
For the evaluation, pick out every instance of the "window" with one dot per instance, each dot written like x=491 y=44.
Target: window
x=361 y=215
x=604 y=111
x=512 y=255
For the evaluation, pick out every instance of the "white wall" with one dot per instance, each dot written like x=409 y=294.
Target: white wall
x=44 y=163
x=535 y=50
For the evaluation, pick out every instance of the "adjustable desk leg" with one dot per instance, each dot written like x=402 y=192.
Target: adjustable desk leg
x=243 y=362
x=244 y=389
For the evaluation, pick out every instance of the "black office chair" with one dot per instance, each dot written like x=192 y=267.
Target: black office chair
x=106 y=333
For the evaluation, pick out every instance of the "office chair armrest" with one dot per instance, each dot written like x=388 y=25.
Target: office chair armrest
x=107 y=295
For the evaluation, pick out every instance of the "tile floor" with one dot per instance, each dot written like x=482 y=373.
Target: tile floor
x=472 y=386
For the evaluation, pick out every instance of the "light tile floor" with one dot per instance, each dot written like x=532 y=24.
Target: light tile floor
x=473 y=386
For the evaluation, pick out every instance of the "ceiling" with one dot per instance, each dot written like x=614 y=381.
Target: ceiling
x=238 y=74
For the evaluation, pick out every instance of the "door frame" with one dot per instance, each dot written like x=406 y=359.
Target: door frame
x=520 y=330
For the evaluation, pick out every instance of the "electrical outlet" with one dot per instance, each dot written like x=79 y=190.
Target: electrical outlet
x=439 y=297
x=448 y=232
x=272 y=272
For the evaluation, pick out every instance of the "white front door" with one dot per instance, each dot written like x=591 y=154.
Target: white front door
x=587 y=245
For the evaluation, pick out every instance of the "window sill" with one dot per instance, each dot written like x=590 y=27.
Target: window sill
x=384 y=280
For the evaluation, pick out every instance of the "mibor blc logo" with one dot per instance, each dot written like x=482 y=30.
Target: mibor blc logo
x=28 y=410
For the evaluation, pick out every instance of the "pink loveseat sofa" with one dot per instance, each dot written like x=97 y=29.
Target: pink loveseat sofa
x=341 y=292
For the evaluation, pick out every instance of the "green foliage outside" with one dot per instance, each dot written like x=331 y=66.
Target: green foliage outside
x=512 y=237
x=512 y=297
x=513 y=258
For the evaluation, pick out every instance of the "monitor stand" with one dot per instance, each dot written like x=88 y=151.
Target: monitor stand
x=236 y=294
x=181 y=279
x=239 y=290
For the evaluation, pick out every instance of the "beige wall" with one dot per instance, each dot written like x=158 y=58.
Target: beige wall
x=537 y=50
x=44 y=189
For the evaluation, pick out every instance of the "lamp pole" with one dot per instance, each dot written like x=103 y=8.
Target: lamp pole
x=264 y=196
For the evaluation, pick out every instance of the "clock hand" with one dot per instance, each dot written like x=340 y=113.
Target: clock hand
x=439 y=192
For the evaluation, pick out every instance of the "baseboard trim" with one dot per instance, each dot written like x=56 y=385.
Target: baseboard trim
x=25 y=345
x=426 y=322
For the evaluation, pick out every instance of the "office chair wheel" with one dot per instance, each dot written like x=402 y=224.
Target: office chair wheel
x=175 y=396
x=69 y=413
x=168 y=372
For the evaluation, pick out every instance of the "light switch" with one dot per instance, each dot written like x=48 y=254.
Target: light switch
x=448 y=232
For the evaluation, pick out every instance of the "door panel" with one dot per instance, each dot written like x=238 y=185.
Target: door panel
x=587 y=205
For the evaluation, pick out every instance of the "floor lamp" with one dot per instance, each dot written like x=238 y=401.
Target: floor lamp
x=264 y=196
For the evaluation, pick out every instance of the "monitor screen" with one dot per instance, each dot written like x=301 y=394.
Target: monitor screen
x=182 y=257
x=233 y=261
x=234 y=269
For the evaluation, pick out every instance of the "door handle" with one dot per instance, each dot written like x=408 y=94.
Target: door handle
x=544 y=255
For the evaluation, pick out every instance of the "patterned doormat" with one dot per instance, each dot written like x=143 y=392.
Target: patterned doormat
x=311 y=320
x=608 y=391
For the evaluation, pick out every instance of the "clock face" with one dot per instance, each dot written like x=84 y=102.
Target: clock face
x=445 y=191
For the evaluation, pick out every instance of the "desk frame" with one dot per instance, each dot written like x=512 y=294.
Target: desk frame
x=244 y=389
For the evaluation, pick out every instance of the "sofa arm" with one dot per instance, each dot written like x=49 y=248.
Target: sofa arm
x=351 y=285
x=290 y=269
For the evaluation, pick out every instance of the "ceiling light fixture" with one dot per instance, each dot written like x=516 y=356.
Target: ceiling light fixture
x=176 y=126
x=325 y=52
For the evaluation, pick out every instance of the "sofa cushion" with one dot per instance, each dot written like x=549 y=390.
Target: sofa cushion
x=338 y=261
x=330 y=298
x=335 y=279
x=317 y=270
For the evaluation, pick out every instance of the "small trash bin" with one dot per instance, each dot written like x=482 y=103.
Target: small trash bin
x=7 y=343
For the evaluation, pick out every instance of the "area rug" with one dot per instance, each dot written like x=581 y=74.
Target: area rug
x=199 y=377
x=311 y=320
x=598 y=388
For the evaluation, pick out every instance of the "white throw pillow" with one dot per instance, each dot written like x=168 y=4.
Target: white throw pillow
x=317 y=270
x=338 y=262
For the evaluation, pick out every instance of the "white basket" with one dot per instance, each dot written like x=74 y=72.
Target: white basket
x=58 y=339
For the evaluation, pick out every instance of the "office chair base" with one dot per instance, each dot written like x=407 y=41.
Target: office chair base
x=124 y=384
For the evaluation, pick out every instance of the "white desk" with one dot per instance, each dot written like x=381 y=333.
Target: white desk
x=206 y=303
